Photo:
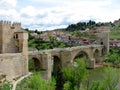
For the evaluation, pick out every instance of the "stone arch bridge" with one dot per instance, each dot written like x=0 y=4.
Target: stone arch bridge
x=64 y=56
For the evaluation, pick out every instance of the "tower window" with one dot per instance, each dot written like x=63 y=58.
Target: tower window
x=16 y=36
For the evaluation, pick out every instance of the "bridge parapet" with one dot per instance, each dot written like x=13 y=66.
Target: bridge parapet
x=65 y=49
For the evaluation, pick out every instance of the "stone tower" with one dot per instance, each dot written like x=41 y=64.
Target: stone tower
x=13 y=49
x=5 y=43
x=103 y=39
x=10 y=36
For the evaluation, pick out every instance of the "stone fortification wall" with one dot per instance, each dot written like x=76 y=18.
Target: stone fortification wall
x=13 y=65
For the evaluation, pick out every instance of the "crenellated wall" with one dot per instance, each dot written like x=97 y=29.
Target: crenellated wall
x=7 y=37
x=16 y=25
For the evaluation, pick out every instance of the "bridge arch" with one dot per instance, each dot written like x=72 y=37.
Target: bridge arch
x=34 y=63
x=56 y=63
x=84 y=55
x=97 y=55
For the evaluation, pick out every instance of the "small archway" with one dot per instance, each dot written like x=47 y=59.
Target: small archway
x=82 y=55
x=57 y=72
x=34 y=64
x=56 y=64
x=97 y=56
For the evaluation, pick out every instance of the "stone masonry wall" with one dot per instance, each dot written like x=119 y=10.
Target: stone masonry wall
x=13 y=65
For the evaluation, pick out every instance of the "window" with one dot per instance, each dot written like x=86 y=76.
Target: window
x=16 y=36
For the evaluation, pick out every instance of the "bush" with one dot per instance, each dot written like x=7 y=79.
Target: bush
x=36 y=82
x=75 y=76
x=113 y=56
x=5 y=85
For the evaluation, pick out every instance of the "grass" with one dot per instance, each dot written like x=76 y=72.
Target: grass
x=115 y=34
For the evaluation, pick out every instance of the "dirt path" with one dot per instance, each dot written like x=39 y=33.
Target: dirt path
x=15 y=82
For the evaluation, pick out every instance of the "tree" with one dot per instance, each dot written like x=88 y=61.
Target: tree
x=77 y=34
x=36 y=82
x=113 y=56
x=75 y=76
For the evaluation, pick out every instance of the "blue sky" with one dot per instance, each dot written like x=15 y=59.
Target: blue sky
x=51 y=14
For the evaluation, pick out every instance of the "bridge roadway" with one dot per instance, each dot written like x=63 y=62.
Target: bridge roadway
x=63 y=49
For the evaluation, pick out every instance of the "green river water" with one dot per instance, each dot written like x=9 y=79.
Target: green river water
x=97 y=74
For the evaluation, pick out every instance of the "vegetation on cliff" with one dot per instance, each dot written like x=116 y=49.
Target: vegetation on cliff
x=91 y=25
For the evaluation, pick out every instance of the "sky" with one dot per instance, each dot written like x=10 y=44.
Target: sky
x=51 y=14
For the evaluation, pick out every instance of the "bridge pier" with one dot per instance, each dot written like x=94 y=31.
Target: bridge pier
x=92 y=63
x=65 y=58
x=46 y=58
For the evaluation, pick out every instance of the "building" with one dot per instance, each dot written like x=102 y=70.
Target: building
x=13 y=50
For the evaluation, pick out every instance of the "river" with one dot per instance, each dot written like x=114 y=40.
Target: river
x=99 y=74
x=96 y=74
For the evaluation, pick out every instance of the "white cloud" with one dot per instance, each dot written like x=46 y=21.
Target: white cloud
x=10 y=15
x=29 y=10
x=8 y=4
x=8 y=11
x=59 y=13
x=43 y=28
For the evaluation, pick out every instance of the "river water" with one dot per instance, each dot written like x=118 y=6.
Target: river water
x=98 y=74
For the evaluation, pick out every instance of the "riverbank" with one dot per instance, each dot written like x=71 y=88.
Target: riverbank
x=107 y=65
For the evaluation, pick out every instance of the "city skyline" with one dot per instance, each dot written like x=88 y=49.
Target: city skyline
x=52 y=14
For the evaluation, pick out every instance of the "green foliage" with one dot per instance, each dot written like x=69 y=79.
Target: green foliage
x=67 y=85
x=113 y=56
x=75 y=76
x=86 y=35
x=5 y=85
x=115 y=34
x=30 y=64
x=62 y=45
x=40 y=44
x=58 y=75
x=111 y=78
x=36 y=82
x=77 y=33
x=81 y=26
x=84 y=25
x=116 y=27
x=35 y=43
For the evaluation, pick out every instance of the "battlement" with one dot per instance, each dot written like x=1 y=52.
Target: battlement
x=5 y=23
x=8 y=23
x=16 y=24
